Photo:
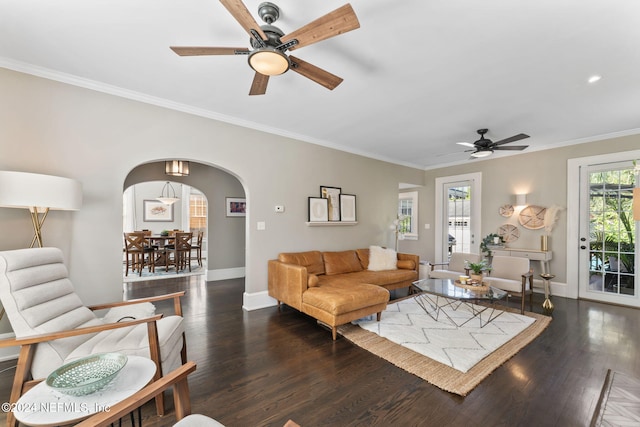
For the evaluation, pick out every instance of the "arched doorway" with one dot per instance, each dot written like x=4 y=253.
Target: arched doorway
x=225 y=244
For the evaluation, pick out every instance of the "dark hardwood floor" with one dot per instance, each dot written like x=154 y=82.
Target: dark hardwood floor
x=263 y=367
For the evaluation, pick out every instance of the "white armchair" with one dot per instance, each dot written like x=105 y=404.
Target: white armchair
x=512 y=274
x=455 y=267
x=53 y=327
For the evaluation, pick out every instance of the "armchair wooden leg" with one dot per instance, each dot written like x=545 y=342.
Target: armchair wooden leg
x=22 y=375
x=378 y=316
x=183 y=352
x=334 y=332
x=181 y=399
x=154 y=352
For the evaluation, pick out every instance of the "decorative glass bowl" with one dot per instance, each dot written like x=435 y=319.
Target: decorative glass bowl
x=87 y=375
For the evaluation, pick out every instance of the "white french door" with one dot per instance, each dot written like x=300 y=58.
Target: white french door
x=608 y=235
x=457 y=214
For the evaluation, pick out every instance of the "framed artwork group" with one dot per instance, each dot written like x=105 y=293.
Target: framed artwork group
x=332 y=205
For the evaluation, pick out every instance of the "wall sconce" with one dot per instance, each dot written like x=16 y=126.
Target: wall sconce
x=39 y=193
x=521 y=199
x=176 y=168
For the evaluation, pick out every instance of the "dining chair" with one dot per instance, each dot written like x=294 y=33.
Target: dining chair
x=198 y=247
x=138 y=253
x=182 y=251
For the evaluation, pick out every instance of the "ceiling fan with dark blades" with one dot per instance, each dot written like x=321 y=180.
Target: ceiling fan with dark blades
x=484 y=146
x=269 y=44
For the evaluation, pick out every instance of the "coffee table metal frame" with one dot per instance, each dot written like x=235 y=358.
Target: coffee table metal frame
x=436 y=294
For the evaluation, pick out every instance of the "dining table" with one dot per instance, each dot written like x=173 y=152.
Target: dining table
x=160 y=242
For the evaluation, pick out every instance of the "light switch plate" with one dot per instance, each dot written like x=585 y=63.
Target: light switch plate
x=261 y=225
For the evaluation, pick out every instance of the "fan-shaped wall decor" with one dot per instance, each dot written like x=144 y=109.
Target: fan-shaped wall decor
x=506 y=210
x=509 y=233
x=532 y=217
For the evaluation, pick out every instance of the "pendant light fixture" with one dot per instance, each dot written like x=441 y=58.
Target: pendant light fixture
x=167 y=199
x=176 y=168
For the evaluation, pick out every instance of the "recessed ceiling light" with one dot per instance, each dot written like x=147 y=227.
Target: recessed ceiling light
x=594 y=79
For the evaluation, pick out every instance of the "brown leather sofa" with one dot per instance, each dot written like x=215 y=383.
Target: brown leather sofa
x=337 y=287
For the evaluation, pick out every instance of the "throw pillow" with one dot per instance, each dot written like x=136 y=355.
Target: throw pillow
x=406 y=264
x=382 y=259
x=312 y=281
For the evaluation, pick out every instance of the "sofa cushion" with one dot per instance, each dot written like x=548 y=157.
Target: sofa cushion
x=341 y=262
x=338 y=300
x=363 y=255
x=380 y=278
x=382 y=259
x=311 y=259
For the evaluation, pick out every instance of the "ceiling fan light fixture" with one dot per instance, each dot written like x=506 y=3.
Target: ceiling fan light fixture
x=481 y=153
x=269 y=61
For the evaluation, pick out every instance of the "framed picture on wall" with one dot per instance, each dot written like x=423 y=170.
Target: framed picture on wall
x=332 y=194
x=154 y=210
x=236 y=206
x=318 y=209
x=347 y=207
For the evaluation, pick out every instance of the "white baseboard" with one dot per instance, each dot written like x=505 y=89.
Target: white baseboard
x=560 y=289
x=257 y=300
x=557 y=289
x=8 y=353
x=225 y=273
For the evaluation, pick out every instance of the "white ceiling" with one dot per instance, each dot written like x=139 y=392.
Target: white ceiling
x=419 y=75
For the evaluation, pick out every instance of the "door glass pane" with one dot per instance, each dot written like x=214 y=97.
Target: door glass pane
x=612 y=232
x=459 y=216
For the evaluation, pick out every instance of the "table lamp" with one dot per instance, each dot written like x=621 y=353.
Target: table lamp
x=39 y=193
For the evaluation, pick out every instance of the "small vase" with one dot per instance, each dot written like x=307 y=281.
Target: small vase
x=477 y=277
x=544 y=243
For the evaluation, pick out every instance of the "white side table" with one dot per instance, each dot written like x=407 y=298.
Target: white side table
x=43 y=406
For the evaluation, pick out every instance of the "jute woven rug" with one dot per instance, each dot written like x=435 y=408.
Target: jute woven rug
x=439 y=374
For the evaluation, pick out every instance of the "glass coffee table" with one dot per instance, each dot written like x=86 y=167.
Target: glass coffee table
x=433 y=295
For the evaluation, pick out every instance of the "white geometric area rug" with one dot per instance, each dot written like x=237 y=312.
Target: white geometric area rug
x=406 y=323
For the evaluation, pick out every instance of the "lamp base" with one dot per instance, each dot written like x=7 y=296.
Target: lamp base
x=37 y=219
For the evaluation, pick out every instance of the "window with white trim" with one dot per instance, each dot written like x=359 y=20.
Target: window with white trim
x=408 y=214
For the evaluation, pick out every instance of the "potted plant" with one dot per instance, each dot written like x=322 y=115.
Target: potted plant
x=477 y=268
x=491 y=241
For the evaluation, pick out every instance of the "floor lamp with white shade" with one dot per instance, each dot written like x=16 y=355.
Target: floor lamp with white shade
x=39 y=193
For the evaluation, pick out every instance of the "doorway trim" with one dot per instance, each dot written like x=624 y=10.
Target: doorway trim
x=573 y=210
x=476 y=211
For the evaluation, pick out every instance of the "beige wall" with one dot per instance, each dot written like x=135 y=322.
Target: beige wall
x=541 y=174
x=54 y=128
